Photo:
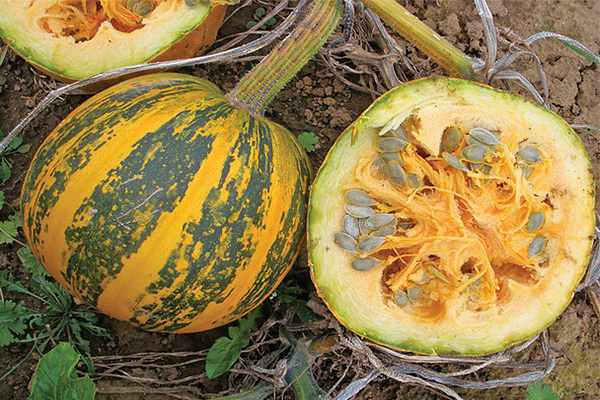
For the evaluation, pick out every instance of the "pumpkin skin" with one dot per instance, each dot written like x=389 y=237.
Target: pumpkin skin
x=473 y=275
x=46 y=35
x=159 y=203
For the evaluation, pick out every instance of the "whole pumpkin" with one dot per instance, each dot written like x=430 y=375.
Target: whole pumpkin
x=159 y=203
x=451 y=218
x=74 y=39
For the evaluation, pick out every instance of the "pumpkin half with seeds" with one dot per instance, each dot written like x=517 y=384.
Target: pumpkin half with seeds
x=74 y=39
x=451 y=218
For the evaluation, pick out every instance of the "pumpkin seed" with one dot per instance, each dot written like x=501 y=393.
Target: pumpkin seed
x=357 y=197
x=393 y=156
x=536 y=220
x=350 y=226
x=474 y=152
x=141 y=7
x=422 y=280
x=359 y=211
x=345 y=241
x=194 y=3
x=414 y=180
x=530 y=155
x=401 y=298
x=406 y=224
x=538 y=244
x=401 y=133
x=527 y=171
x=389 y=144
x=362 y=228
x=365 y=264
x=379 y=220
x=396 y=173
x=453 y=161
x=484 y=136
x=414 y=293
x=476 y=166
x=385 y=231
x=450 y=139
x=370 y=243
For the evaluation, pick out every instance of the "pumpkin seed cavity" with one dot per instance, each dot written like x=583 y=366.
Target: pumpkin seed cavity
x=370 y=229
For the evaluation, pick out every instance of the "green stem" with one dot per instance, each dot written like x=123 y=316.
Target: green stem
x=264 y=81
x=451 y=59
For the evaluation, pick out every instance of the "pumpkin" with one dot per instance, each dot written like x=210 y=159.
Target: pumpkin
x=74 y=39
x=159 y=203
x=451 y=218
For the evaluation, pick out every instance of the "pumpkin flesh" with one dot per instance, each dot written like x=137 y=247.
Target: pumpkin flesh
x=462 y=272
x=74 y=39
x=159 y=203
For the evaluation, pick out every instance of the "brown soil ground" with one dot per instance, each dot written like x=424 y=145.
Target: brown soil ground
x=317 y=101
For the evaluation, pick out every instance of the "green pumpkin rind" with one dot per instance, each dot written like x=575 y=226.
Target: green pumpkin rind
x=159 y=203
x=355 y=297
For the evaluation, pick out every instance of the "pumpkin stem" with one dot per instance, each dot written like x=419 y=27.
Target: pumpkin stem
x=256 y=90
x=451 y=59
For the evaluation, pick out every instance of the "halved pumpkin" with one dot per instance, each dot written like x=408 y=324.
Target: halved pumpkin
x=451 y=218
x=74 y=39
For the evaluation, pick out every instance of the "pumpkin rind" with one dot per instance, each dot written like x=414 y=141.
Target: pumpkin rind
x=521 y=305
x=172 y=31
x=159 y=203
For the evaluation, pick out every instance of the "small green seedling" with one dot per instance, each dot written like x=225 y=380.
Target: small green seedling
x=308 y=141
x=258 y=15
x=540 y=391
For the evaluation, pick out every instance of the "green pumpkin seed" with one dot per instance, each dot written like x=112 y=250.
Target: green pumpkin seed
x=389 y=144
x=484 y=136
x=536 y=220
x=394 y=156
x=453 y=161
x=350 y=226
x=530 y=155
x=450 y=139
x=401 y=298
x=370 y=243
x=538 y=244
x=357 y=197
x=385 y=231
x=396 y=173
x=414 y=181
x=414 y=293
x=359 y=211
x=345 y=241
x=474 y=153
x=380 y=220
x=141 y=7
x=365 y=264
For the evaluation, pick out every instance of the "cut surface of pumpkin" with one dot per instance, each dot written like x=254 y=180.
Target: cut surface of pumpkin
x=74 y=39
x=451 y=218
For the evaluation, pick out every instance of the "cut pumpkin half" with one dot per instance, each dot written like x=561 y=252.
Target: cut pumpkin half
x=451 y=218
x=75 y=39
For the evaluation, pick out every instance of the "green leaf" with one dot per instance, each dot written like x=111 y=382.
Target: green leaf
x=1 y=199
x=540 y=391
x=14 y=144
x=308 y=141
x=13 y=318
x=4 y=170
x=226 y=350
x=30 y=263
x=8 y=231
x=55 y=377
x=24 y=148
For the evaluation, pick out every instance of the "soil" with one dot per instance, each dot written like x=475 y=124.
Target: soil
x=317 y=101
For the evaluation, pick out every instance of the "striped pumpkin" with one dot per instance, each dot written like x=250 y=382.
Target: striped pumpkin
x=159 y=203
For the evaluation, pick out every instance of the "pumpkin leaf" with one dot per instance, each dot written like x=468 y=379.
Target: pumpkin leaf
x=308 y=141
x=8 y=231
x=5 y=172
x=55 y=377
x=1 y=199
x=226 y=350
x=540 y=391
